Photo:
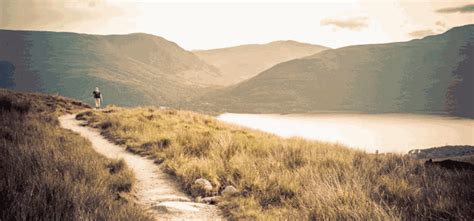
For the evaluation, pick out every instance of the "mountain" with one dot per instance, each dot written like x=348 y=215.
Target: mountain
x=131 y=69
x=411 y=76
x=243 y=62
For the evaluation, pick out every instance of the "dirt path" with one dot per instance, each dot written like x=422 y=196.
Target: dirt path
x=156 y=191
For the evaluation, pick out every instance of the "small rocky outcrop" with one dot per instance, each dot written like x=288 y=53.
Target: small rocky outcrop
x=450 y=164
x=442 y=152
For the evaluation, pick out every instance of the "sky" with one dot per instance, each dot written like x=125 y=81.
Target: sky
x=198 y=24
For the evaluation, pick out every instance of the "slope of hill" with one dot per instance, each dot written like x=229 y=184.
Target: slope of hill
x=242 y=62
x=49 y=173
x=411 y=76
x=287 y=179
x=130 y=69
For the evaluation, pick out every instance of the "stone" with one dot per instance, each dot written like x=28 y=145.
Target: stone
x=203 y=184
x=198 y=199
x=211 y=199
x=229 y=191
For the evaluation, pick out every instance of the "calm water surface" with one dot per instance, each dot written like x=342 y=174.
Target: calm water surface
x=384 y=132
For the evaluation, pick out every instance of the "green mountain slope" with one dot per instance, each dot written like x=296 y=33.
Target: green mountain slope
x=130 y=69
x=243 y=62
x=408 y=76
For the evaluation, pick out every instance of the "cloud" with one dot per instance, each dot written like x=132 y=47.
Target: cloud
x=354 y=23
x=461 y=9
x=440 y=24
x=53 y=14
x=421 y=33
x=57 y=15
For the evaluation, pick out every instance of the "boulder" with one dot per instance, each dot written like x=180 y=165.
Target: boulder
x=229 y=191
x=203 y=184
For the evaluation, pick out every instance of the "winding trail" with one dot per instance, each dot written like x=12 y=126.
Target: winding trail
x=156 y=191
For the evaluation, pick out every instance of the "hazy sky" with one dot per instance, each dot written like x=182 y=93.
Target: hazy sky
x=212 y=24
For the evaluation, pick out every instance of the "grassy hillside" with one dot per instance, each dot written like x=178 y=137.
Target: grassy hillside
x=245 y=61
x=130 y=69
x=411 y=76
x=52 y=174
x=287 y=179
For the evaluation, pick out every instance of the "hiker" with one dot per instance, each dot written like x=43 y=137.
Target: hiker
x=97 y=97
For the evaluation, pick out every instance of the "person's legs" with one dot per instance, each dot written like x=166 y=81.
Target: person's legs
x=97 y=103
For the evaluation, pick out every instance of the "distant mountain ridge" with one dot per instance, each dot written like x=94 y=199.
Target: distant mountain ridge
x=242 y=62
x=411 y=76
x=143 y=69
x=132 y=69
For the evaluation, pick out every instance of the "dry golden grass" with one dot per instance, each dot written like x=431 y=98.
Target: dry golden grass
x=48 y=173
x=290 y=179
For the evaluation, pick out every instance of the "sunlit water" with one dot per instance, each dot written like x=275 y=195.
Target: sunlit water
x=384 y=132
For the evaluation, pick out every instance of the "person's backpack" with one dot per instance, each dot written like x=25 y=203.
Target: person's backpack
x=96 y=94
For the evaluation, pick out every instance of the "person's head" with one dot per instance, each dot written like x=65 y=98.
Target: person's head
x=97 y=89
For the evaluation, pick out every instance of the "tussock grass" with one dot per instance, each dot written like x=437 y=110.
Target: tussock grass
x=291 y=179
x=48 y=173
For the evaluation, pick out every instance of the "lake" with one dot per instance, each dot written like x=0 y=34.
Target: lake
x=384 y=132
